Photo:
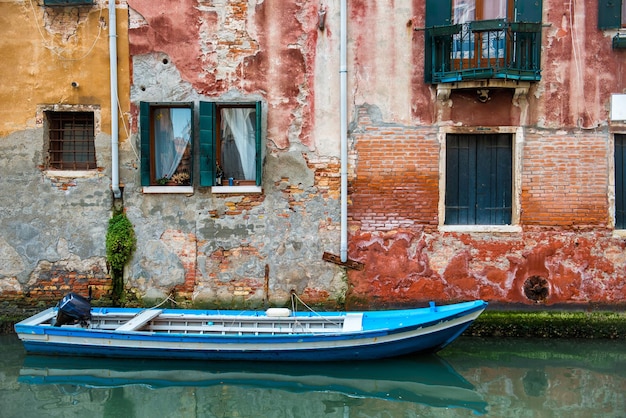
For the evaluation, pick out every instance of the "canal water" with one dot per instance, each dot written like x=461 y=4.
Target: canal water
x=472 y=377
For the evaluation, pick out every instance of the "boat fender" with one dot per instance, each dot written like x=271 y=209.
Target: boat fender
x=278 y=312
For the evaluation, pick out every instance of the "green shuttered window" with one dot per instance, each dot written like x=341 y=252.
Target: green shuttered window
x=478 y=179
x=230 y=144
x=229 y=148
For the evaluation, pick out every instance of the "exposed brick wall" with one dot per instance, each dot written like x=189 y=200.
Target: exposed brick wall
x=396 y=182
x=564 y=179
x=55 y=282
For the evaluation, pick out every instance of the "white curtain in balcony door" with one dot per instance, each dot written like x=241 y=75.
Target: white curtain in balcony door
x=464 y=11
x=494 y=9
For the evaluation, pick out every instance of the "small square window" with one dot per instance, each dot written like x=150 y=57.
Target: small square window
x=166 y=144
x=70 y=140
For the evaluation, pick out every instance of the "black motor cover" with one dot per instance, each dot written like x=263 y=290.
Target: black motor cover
x=73 y=308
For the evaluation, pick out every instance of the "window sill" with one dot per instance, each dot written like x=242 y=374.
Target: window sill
x=236 y=189
x=619 y=233
x=167 y=190
x=481 y=228
x=71 y=174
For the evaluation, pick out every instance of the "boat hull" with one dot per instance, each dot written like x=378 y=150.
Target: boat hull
x=430 y=335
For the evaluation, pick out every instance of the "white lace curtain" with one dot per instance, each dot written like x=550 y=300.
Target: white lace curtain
x=172 y=135
x=238 y=143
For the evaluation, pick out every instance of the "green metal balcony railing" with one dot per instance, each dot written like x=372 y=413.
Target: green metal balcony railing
x=485 y=49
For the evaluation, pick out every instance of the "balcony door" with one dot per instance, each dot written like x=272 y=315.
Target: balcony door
x=482 y=39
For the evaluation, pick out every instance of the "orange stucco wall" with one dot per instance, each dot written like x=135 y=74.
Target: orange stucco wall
x=45 y=50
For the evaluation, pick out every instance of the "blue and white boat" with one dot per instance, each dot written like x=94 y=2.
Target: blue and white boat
x=277 y=334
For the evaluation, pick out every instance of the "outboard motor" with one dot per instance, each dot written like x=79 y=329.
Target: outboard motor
x=73 y=308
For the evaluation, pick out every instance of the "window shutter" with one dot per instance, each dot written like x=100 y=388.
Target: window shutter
x=620 y=181
x=493 y=180
x=144 y=134
x=460 y=179
x=528 y=10
x=609 y=14
x=259 y=148
x=438 y=13
x=207 y=143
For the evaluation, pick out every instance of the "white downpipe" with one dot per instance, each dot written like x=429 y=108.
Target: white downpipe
x=343 y=86
x=115 y=172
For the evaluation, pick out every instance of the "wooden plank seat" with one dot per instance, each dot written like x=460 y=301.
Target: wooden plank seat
x=140 y=320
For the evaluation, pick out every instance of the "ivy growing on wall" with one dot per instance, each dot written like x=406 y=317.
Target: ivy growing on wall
x=120 y=245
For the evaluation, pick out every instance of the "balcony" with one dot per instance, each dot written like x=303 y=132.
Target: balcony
x=484 y=49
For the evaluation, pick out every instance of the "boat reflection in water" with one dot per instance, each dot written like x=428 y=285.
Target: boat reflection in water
x=423 y=380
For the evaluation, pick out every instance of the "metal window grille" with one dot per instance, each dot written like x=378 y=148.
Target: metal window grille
x=71 y=137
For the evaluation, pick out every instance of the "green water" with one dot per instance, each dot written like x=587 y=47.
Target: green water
x=473 y=377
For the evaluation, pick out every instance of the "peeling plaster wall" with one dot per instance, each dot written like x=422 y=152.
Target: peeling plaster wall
x=565 y=251
x=236 y=249
x=245 y=249
x=53 y=224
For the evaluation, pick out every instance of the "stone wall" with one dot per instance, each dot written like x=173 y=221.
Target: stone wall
x=253 y=249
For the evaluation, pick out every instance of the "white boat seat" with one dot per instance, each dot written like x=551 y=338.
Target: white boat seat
x=140 y=320
x=353 y=322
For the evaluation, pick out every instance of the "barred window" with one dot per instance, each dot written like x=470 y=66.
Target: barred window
x=71 y=140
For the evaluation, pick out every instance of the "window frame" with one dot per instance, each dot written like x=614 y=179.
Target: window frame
x=619 y=181
x=55 y=141
x=149 y=180
x=517 y=139
x=210 y=143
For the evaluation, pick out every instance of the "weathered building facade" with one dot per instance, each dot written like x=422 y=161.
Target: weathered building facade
x=483 y=150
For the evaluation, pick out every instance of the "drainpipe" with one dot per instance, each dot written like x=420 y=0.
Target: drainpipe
x=115 y=174
x=343 y=87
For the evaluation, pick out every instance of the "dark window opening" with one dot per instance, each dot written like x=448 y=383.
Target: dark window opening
x=479 y=179
x=71 y=140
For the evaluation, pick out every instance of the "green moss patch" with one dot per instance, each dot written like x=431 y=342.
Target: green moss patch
x=550 y=324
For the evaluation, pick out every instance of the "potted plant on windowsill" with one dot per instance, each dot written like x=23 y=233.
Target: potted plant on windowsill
x=163 y=181
x=182 y=178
